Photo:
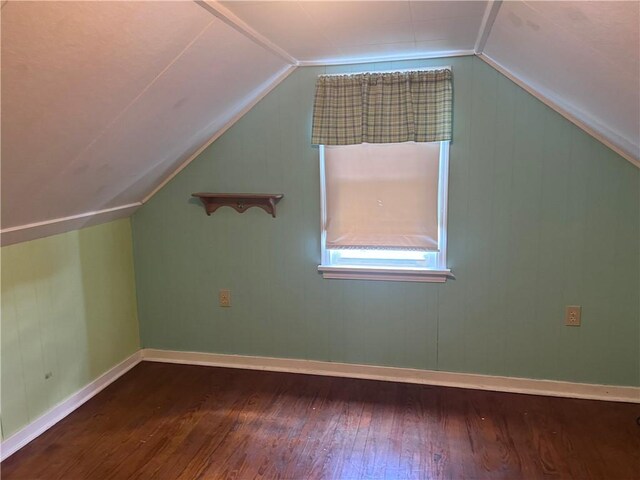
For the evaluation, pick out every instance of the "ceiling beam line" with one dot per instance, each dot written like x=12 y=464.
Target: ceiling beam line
x=490 y=14
x=227 y=16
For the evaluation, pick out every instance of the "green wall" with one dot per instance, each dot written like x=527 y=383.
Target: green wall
x=541 y=215
x=69 y=309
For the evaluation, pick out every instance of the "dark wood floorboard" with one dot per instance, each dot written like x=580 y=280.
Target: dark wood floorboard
x=163 y=421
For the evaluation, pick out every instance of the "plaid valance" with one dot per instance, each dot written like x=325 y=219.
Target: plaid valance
x=383 y=108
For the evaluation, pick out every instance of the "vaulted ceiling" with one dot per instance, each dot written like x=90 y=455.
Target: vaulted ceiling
x=583 y=57
x=103 y=101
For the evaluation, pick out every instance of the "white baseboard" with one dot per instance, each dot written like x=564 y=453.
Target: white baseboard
x=313 y=367
x=23 y=436
x=406 y=375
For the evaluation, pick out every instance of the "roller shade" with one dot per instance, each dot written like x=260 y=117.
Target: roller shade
x=383 y=108
x=382 y=196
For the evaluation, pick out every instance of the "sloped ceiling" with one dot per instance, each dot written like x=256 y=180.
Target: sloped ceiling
x=103 y=101
x=583 y=57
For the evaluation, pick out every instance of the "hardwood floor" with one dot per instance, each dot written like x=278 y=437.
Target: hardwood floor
x=166 y=421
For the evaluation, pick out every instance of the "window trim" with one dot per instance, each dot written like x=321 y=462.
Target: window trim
x=439 y=274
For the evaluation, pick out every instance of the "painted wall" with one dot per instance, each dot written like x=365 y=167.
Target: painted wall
x=68 y=309
x=541 y=215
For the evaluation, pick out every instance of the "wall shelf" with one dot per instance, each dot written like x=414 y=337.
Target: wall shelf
x=240 y=202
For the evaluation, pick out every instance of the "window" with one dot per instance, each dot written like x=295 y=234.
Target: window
x=384 y=211
x=384 y=152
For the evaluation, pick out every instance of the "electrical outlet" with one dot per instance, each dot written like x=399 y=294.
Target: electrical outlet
x=224 y=298
x=572 y=315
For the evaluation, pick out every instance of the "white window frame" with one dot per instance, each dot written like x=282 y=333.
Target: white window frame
x=437 y=271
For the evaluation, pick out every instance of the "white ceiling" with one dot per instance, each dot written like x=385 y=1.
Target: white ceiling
x=582 y=56
x=336 y=31
x=103 y=101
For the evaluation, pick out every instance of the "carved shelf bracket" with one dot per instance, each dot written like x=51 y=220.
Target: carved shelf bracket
x=240 y=202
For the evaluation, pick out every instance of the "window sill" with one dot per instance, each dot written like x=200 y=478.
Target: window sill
x=393 y=274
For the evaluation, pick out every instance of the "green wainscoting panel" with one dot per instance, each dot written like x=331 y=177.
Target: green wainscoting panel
x=541 y=215
x=68 y=313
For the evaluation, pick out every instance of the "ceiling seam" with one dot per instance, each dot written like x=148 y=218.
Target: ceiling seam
x=227 y=16
x=138 y=96
x=490 y=14
x=413 y=27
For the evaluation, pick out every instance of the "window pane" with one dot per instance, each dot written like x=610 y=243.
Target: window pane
x=382 y=196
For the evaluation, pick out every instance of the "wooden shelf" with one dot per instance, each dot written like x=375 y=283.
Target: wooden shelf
x=240 y=202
